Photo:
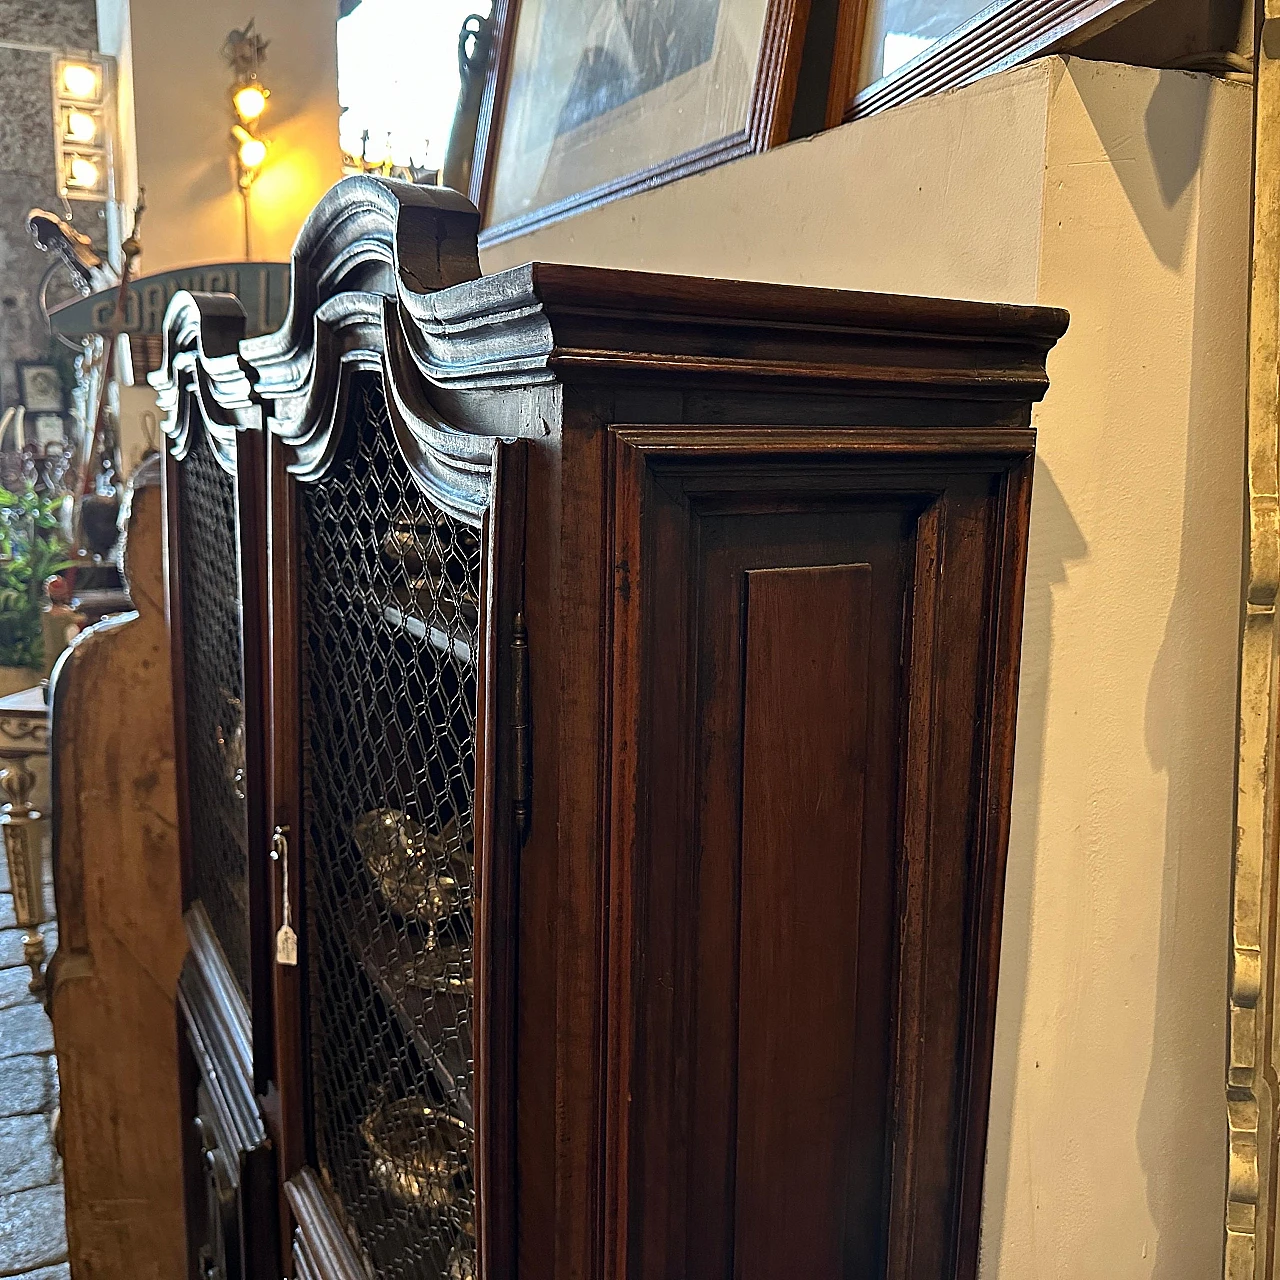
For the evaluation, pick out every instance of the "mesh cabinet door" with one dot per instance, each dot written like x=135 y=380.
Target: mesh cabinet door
x=395 y=670
x=215 y=727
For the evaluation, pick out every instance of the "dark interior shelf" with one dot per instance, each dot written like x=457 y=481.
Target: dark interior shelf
x=429 y=630
x=382 y=951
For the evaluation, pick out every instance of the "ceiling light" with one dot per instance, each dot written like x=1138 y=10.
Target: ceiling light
x=250 y=102
x=79 y=81
x=81 y=126
x=82 y=173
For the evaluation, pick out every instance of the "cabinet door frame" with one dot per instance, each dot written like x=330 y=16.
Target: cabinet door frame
x=480 y=479
x=230 y=1039
x=657 y=469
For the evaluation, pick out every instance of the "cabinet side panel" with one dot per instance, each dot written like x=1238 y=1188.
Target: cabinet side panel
x=803 y=777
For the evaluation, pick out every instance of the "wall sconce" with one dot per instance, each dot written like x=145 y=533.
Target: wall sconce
x=80 y=123
x=245 y=51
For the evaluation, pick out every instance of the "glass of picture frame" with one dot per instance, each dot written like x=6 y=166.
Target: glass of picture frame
x=589 y=100
x=912 y=48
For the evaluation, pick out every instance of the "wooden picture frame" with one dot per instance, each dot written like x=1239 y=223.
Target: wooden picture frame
x=783 y=53
x=40 y=387
x=1000 y=36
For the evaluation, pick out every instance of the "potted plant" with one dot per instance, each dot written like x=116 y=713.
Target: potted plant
x=31 y=550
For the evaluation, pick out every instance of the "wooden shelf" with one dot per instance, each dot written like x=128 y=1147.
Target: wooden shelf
x=430 y=631
x=380 y=952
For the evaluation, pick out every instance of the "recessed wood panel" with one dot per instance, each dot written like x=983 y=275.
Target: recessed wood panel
x=804 y=858
x=804 y=744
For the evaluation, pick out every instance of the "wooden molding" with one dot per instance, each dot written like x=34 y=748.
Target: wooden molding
x=219 y=1030
x=321 y=1248
x=992 y=41
x=201 y=370
x=545 y=322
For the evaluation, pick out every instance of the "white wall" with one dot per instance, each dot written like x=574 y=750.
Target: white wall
x=177 y=115
x=1107 y=1153
x=174 y=140
x=1122 y=194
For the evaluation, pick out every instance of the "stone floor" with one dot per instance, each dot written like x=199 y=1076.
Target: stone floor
x=33 y=1242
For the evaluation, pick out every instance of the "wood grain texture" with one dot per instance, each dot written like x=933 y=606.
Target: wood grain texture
x=113 y=980
x=498 y=842
x=804 y=749
x=655 y=459
x=286 y=1107
x=710 y=895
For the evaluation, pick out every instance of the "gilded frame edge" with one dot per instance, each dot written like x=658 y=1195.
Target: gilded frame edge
x=1249 y=1225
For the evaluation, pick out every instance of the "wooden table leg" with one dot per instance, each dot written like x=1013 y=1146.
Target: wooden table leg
x=22 y=847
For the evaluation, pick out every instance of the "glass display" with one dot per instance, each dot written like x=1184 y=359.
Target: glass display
x=390 y=621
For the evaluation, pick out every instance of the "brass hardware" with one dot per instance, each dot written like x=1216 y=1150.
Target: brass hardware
x=522 y=738
x=436 y=967
x=420 y=1154
x=421 y=876
x=286 y=939
x=231 y=744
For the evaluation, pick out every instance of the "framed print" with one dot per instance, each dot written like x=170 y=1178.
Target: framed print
x=589 y=100
x=49 y=429
x=40 y=387
x=911 y=48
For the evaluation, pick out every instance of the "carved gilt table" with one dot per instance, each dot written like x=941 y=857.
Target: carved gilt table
x=24 y=732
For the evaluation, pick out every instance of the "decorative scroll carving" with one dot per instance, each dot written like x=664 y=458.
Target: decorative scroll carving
x=1251 y=1065
x=454 y=468
x=364 y=240
x=373 y=271
x=201 y=364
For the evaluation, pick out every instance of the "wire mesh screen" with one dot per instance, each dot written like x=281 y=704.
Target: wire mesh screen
x=214 y=692
x=390 y=626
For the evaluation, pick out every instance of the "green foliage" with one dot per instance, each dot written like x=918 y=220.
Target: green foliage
x=31 y=548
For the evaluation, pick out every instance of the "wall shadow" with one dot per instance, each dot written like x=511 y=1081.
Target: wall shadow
x=1156 y=170
x=1191 y=737
x=1056 y=542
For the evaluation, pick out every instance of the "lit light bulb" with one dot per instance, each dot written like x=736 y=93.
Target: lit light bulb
x=253 y=151
x=79 y=81
x=250 y=102
x=83 y=173
x=81 y=126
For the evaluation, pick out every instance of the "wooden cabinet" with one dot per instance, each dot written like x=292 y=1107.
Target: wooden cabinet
x=608 y=680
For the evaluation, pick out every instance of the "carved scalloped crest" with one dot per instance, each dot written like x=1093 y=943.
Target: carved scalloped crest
x=366 y=242
x=386 y=280
x=201 y=368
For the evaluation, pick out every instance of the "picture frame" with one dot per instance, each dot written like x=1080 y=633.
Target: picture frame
x=50 y=428
x=40 y=387
x=557 y=135
x=997 y=37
